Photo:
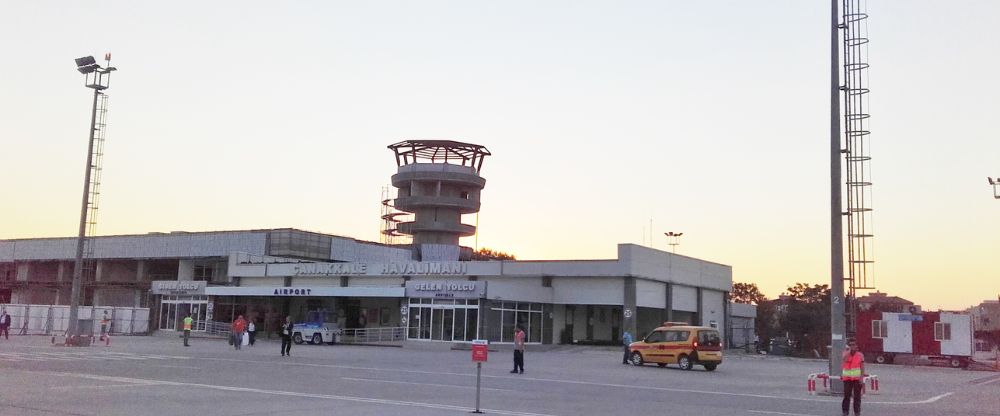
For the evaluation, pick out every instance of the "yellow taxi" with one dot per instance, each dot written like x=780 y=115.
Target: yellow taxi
x=679 y=344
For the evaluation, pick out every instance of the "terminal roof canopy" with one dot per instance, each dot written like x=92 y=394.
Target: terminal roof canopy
x=439 y=151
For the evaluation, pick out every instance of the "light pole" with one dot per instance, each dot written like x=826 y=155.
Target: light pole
x=98 y=79
x=996 y=186
x=673 y=239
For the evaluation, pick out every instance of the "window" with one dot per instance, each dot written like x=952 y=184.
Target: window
x=677 y=336
x=655 y=336
x=880 y=329
x=942 y=331
x=202 y=272
x=708 y=338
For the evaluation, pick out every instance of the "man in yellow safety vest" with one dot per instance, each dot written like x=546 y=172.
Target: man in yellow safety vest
x=853 y=372
x=187 y=328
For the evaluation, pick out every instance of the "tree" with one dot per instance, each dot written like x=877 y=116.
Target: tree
x=747 y=293
x=806 y=317
x=490 y=254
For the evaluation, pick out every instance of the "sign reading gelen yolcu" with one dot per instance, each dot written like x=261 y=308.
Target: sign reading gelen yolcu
x=445 y=289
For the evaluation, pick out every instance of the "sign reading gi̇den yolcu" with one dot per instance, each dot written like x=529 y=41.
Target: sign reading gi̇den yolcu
x=178 y=287
x=450 y=290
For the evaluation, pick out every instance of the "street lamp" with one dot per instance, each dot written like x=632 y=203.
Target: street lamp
x=673 y=239
x=98 y=79
x=996 y=186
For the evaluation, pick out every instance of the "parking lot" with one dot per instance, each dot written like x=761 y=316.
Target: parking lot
x=158 y=376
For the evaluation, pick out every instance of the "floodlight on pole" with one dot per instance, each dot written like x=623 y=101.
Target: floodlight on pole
x=673 y=239
x=996 y=186
x=97 y=78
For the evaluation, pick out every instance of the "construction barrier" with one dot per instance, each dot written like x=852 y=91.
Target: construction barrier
x=869 y=384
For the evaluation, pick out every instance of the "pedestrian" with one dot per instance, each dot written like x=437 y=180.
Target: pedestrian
x=239 y=326
x=756 y=343
x=104 y=325
x=252 y=330
x=187 y=328
x=626 y=341
x=518 y=351
x=853 y=376
x=5 y=324
x=286 y=337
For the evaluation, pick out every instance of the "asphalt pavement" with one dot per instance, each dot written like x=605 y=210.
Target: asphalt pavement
x=159 y=376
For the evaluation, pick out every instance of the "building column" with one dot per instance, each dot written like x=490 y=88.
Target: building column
x=185 y=270
x=670 y=303
x=698 y=316
x=23 y=295
x=726 y=311
x=629 y=310
x=23 y=270
x=98 y=276
x=60 y=277
x=140 y=275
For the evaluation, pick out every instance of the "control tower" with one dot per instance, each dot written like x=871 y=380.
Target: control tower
x=438 y=181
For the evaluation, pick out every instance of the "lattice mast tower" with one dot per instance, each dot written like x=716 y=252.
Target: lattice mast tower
x=857 y=155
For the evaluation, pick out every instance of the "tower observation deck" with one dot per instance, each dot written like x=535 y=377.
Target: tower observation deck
x=438 y=181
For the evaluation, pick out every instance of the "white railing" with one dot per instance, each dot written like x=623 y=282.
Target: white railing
x=54 y=319
x=373 y=335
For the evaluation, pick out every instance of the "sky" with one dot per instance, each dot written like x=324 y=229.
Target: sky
x=609 y=122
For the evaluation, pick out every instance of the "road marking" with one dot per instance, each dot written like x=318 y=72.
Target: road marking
x=780 y=413
x=419 y=384
x=927 y=401
x=104 y=386
x=173 y=366
x=590 y=383
x=290 y=393
x=985 y=380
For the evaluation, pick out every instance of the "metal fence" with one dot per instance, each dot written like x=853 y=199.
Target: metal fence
x=373 y=335
x=54 y=319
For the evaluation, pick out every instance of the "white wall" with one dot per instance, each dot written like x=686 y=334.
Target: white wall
x=522 y=289
x=374 y=281
x=684 y=298
x=559 y=268
x=961 y=334
x=668 y=267
x=587 y=291
x=649 y=294
x=900 y=337
x=210 y=244
x=713 y=309
x=311 y=281
x=345 y=249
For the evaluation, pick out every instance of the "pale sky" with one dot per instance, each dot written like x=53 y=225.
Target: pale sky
x=705 y=117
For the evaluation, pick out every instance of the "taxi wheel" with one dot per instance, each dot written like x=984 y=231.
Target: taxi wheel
x=637 y=358
x=297 y=338
x=684 y=362
x=710 y=367
x=317 y=339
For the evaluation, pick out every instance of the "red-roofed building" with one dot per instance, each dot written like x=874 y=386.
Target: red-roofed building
x=878 y=301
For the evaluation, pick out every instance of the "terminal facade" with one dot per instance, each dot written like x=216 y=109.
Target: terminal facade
x=267 y=274
x=429 y=286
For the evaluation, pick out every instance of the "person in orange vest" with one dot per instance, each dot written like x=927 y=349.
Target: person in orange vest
x=853 y=372
x=239 y=325
x=187 y=328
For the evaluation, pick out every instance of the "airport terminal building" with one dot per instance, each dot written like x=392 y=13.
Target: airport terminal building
x=429 y=287
x=270 y=273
